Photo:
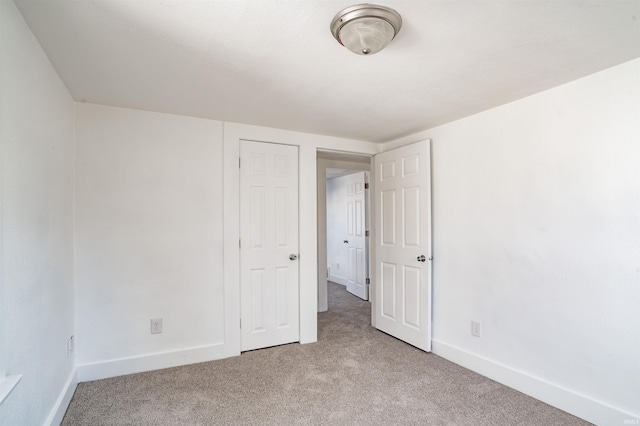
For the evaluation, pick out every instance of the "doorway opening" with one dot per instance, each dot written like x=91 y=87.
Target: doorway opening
x=336 y=171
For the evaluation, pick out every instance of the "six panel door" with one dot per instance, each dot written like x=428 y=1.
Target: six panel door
x=357 y=256
x=268 y=244
x=403 y=244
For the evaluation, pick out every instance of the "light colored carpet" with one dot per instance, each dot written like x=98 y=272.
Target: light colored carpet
x=354 y=374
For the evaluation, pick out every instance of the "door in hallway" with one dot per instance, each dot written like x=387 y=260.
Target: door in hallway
x=356 y=239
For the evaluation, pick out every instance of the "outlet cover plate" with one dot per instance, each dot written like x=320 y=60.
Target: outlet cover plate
x=70 y=346
x=475 y=328
x=156 y=325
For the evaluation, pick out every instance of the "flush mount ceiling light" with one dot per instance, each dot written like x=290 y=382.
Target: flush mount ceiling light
x=366 y=29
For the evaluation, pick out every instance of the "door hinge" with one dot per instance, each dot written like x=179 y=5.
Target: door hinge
x=366 y=186
x=240 y=322
x=239 y=244
x=367 y=281
x=366 y=233
x=238 y=162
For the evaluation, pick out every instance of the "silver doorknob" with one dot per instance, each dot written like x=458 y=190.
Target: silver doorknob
x=292 y=257
x=421 y=258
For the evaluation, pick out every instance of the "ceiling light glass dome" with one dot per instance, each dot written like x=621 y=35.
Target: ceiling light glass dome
x=366 y=29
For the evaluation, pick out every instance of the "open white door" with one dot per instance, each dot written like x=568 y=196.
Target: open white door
x=357 y=256
x=269 y=302
x=403 y=247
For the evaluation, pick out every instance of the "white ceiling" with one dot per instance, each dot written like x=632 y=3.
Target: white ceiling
x=274 y=62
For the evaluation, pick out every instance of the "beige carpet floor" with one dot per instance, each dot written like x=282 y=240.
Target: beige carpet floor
x=353 y=375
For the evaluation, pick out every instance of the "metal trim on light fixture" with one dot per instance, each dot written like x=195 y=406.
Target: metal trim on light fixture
x=365 y=10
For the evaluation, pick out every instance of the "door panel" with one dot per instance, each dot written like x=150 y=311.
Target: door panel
x=257 y=300
x=403 y=283
x=388 y=217
x=388 y=293
x=283 y=302
x=411 y=306
x=269 y=283
x=411 y=215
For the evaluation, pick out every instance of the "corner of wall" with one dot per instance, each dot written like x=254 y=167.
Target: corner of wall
x=64 y=399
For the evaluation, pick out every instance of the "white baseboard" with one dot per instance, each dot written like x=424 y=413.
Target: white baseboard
x=338 y=280
x=572 y=402
x=154 y=361
x=63 y=401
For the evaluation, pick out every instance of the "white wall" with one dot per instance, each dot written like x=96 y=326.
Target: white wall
x=37 y=228
x=148 y=240
x=537 y=237
x=157 y=237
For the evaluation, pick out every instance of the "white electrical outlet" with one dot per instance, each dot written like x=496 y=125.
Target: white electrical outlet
x=475 y=328
x=338 y=266
x=156 y=325
x=70 y=345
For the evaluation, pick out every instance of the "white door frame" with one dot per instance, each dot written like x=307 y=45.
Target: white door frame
x=308 y=145
x=308 y=259
x=231 y=253
x=339 y=160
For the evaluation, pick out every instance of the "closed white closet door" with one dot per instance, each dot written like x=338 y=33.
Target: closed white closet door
x=269 y=281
